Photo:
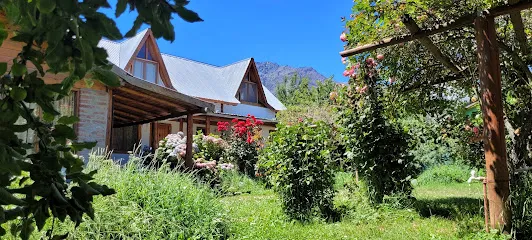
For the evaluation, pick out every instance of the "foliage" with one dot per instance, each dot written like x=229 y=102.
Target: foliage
x=63 y=36
x=374 y=146
x=244 y=140
x=297 y=91
x=172 y=149
x=522 y=205
x=150 y=204
x=233 y=182
x=298 y=162
x=446 y=138
x=260 y=216
x=444 y=174
x=210 y=147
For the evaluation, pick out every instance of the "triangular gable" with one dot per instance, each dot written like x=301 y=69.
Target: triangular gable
x=150 y=42
x=253 y=76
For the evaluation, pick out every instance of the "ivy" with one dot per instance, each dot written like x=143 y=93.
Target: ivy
x=47 y=179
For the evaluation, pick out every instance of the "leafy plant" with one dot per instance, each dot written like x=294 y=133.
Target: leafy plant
x=244 y=140
x=299 y=163
x=210 y=147
x=444 y=174
x=377 y=148
x=61 y=37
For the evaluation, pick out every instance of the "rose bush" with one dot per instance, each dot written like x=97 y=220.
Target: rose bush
x=376 y=147
x=244 y=140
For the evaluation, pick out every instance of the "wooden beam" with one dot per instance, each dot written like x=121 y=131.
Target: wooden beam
x=141 y=95
x=519 y=29
x=498 y=180
x=121 y=119
x=150 y=120
x=429 y=45
x=207 y=125
x=108 y=131
x=136 y=111
x=189 y=162
x=127 y=115
x=144 y=106
x=458 y=23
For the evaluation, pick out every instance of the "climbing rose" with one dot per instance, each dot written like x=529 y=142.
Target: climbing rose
x=475 y=130
x=380 y=57
x=349 y=72
x=364 y=89
x=391 y=80
x=344 y=60
x=343 y=37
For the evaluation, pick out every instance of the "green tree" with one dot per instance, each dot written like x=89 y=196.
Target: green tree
x=62 y=35
x=423 y=80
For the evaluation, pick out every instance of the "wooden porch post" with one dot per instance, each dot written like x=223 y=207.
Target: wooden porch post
x=180 y=124
x=498 y=186
x=189 y=162
x=207 y=125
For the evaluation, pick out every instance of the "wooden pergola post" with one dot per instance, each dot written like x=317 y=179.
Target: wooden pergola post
x=189 y=163
x=497 y=176
x=207 y=125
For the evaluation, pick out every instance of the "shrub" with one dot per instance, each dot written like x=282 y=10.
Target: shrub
x=376 y=147
x=172 y=149
x=150 y=204
x=298 y=163
x=244 y=142
x=522 y=205
x=444 y=174
x=210 y=147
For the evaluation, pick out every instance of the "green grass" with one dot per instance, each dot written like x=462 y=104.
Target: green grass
x=451 y=211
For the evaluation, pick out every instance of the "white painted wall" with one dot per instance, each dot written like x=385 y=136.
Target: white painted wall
x=244 y=110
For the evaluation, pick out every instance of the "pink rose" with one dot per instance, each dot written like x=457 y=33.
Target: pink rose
x=391 y=80
x=343 y=37
x=344 y=60
x=380 y=57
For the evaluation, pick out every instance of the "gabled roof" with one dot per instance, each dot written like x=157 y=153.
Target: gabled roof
x=193 y=78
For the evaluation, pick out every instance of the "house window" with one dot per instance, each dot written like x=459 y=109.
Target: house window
x=66 y=106
x=144 y=65
x=248 y=91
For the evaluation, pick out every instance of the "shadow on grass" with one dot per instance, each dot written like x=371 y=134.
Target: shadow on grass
x=451 y=208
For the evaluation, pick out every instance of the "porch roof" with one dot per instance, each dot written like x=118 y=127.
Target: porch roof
x=137 y=102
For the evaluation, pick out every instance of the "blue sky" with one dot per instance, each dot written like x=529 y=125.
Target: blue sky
x=298 y=33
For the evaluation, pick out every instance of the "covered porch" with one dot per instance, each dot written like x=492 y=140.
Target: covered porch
x=138 y=104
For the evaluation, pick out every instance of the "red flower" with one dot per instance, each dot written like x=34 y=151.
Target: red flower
x=234 y=120
x=259 y=122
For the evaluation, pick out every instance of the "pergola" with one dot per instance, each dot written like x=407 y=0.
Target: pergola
x=138 y=102
x=497 y=175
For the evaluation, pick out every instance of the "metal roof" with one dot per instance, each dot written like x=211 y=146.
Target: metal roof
x=191 y=77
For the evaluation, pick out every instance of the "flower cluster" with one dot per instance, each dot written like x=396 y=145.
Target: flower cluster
x=176 y=144
x=223 y=126
x=243 y=129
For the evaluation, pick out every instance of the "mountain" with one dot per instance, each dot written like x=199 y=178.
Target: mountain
x=272 y=74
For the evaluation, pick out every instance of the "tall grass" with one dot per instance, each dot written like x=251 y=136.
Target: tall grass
x=444 y=174
x=150 y=204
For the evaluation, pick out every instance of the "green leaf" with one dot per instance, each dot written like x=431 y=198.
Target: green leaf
x=68 y=120
x=46 y=6
x=18 y=69
x=63 y=131
x=120 y=7
x=3 y=67
x=48 y=117
x=188 y=15
x=105 y=76
x=78 y=146
x=40 y=218
x=8 y=198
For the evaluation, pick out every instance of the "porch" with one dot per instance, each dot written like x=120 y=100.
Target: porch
x=138 y=104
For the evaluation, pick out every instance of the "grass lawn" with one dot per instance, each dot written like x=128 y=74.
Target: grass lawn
x=441 y=212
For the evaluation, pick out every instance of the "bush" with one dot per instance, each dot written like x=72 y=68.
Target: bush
x=150 y=204
x=444 y=174
x=375 y=146
x=172 y=149
x=210 y=147
x=299 y=165
x=244 y=142
x=522 y=205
